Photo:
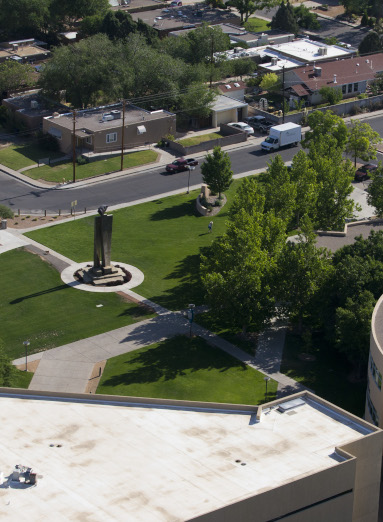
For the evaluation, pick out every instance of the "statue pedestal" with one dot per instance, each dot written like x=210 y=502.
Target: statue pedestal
x=102 y=276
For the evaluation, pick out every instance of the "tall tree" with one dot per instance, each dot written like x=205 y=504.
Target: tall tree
x=361 y=141
x=303 y=270
x=216 y=171
x=284 y=19
x=280 y=192
x=23 y=18
x=304 y=177
x=375 y=191
x=371 y=43
x=326 y=124
x=69 y=12
x=198 y=100
x=13 y=76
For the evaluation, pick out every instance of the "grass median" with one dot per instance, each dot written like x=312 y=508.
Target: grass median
x=185 y=369
x=196 y=140
x=19 y=156
x=36 y=305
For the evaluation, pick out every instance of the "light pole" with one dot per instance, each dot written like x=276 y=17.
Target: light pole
x=26 y=344
x=189 y=167
x=266 y=379
x=191 y=317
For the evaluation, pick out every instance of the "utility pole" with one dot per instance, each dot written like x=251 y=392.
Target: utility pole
x=211 y=60
x=283 y=94
x=74 y=146
x=122 y=135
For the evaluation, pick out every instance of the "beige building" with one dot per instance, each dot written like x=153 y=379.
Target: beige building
x=374 y=398
x=228 y=110
x=100 y=129
x=110 y=458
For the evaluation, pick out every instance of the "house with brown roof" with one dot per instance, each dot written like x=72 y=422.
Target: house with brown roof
x=351 y=75
x=235 y=90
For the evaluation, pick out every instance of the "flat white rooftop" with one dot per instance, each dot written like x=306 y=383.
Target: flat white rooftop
x=307 y=50
x=125 y=462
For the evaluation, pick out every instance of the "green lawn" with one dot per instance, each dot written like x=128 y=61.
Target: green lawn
x=327 y=375
x=196 y=140
x=162 y=238
x=184 y=369
x=17 y=157
x=256 y=25
x=59 y=171
x=36 y=305
x=21 y=379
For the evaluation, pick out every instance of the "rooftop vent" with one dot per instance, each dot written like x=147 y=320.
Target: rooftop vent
x=107 y=117
x=322 y=51
x=318 y=71
x=335 y=78
x=116 y=114
x=274 y=61
x=236 y=84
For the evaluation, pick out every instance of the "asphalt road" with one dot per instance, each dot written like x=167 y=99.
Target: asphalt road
x=154 y=181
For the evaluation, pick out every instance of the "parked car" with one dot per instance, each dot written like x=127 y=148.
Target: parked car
x=255 y=121
x=176 y=3
x=265 y=127
x=242 y=126
x=181 y=164
x=363 y=172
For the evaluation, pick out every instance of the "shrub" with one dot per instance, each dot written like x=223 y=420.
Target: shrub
x=364 y=20
x=362 y=96
x=371 y=21
x=6 y=212
x=81 y=160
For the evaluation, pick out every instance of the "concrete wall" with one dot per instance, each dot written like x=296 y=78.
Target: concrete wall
x=231 y=136
x=376 y=353
x=341 y=109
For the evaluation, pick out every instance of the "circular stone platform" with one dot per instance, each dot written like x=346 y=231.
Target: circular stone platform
x=67 y=275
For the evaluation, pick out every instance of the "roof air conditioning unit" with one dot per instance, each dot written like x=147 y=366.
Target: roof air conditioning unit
x=107 y=117
x=34 y=104
x=15 y=47
x=116 y=114
x=274 y=61
x=322 y=51
x=318 y=71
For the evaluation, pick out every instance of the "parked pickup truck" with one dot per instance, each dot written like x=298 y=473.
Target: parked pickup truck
x=181 y=164
x=282 y=136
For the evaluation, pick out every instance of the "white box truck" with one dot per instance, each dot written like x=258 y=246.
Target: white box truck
x=282 y=136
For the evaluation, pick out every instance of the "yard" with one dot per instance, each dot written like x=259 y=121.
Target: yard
x=162 y=238
x=19 y=156
x=196 y=140
x=184 y=369
x=256 y=25
x=36 y=305
x=59 y=171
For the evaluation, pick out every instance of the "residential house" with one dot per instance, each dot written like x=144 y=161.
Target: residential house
x=100 y=129
x=235 y=90
x=228 y=110
x=351 y=75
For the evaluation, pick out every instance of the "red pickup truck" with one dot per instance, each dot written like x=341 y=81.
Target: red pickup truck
x=181 y=164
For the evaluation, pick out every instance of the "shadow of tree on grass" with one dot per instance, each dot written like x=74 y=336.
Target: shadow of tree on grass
x=170 y=359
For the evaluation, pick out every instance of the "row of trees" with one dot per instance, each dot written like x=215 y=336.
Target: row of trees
x=251 y=273
x=289 y=18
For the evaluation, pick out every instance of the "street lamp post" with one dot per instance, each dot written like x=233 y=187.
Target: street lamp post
x=191 y=317
x=26 y=344
x=189 y=167
x=266 y=379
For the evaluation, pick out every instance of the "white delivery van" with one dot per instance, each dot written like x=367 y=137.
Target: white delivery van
x=282 y=136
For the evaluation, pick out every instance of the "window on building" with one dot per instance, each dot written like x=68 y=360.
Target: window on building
x=88 y=140
x=372 y=410
x=356 y=87
x=53 y=131
x=344 y=89
x=376 y=375
x=111 y=138
x=350 y=87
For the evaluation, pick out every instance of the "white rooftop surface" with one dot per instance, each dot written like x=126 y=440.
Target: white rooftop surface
x=122 y=463
x=283 y=61
x=223 y=103
x=307 y=50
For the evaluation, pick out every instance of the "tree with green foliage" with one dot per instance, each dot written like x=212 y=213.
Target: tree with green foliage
x=303 y=270
x=66 y=13
x=198 y=100
x=249 y=197
x=23 y=18
x=242 y=67
x=364 y=20
x=352 y=329
x=280 y=191
x=13 y=76
x=331 y=95
x=304 y=178
x=305 y=17
x=6 y=212
x=371 y=43
x=270 y=82
x=375 y=190
x=377 y=85
x=238 y=273
x=326 y=124
x=361 y=141
x=355 y=6
x=205 y=41
x=284 y=19
x=216 y=171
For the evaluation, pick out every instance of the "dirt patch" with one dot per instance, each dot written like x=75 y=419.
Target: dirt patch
x=31 y=366
x=95 y=377
x=29 y=221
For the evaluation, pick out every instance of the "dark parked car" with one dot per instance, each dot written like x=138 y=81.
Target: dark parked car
x=266 y=126
x=181 y=164
x=255 y=121
x=363 y=172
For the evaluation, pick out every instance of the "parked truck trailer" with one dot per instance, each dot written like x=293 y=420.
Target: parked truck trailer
x=282 y=136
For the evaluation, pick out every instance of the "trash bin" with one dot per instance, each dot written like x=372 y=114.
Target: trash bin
x=3 y=224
